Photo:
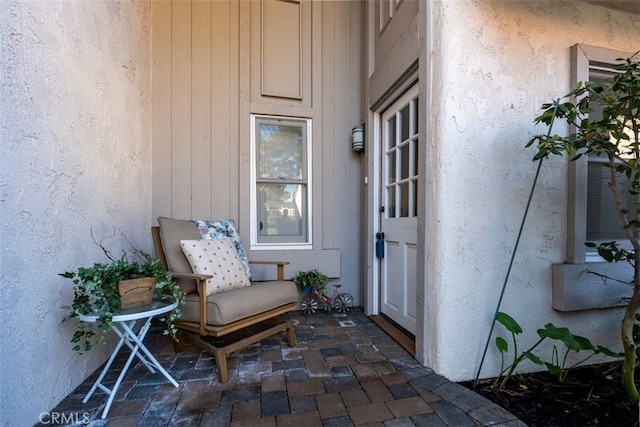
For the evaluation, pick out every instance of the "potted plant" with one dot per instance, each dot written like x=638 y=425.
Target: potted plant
x=307 y=280
x=96 y=291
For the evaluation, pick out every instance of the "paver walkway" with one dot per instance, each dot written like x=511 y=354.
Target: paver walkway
x=344 y=371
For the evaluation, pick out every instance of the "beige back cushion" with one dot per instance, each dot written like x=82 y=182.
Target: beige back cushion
x=171 y=232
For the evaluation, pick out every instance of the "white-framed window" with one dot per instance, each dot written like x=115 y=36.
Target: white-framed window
x=592 y=215
x=281 y=182
x=582 y=282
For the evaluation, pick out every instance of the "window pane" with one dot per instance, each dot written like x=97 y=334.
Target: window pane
x=603 y=222
x=602 y=219
x=281 y=151
x=281 y=210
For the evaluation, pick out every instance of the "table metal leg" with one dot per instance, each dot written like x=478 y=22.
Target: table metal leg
x=98 y=382
x=128 y=334
x=128 y=341
x=125 y=330
x=138 y=340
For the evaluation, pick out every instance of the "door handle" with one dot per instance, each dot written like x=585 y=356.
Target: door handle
x=380 y=245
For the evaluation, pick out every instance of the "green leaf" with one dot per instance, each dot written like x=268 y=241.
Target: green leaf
x=607 y=351
x=535 y=359
x=540 y=155
x=508 y=322
x=554 y=370
x=585 y=343
x=606 y=254
x=560 y=334
x=502 y=345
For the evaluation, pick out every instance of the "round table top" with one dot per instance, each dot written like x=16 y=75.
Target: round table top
x=134 y=313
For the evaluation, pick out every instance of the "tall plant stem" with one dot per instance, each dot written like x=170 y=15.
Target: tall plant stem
x=630 y=357
x=628 y=343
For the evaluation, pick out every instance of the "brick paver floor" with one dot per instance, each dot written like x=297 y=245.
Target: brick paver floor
x=343 y=371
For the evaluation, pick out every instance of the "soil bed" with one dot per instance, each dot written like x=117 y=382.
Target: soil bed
x=590 y=396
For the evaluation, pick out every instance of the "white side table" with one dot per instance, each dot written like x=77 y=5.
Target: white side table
x=123 y=324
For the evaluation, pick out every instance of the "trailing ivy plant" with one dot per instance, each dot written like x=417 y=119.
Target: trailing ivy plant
x=616 y=138
x=95 y=292
x=557 y=365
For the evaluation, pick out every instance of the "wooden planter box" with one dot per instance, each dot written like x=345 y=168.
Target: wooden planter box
x=136 y=292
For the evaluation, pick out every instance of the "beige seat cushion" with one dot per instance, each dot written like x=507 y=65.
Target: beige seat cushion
x=227 y=307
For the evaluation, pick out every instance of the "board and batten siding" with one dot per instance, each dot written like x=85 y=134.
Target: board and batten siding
x=217 y=62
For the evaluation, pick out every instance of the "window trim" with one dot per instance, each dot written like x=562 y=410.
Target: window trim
x=583 y=59
x=577 y=284
x=255 y=245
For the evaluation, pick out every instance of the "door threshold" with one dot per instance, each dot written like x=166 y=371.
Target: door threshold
x=406 y=341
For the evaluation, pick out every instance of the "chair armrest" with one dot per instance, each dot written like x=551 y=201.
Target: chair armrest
x=270 y=262
x=201 y=280
x=280 y=266
x=190 y=276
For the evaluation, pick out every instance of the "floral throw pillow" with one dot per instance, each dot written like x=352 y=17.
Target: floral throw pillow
x=218 y=258
x=222 y=230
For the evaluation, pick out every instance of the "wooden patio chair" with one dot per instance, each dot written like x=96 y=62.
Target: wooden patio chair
x=219 y=314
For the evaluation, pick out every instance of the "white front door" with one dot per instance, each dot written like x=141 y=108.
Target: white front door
x=399 y=223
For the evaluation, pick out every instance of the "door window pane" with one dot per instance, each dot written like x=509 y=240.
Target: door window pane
x=414 y=205
x=404 y=199
x=391 y=132
x=414 y=128
x=404 y=161
x=415 y=157
x=391 y=158
x=404 y=123
x=391 y=202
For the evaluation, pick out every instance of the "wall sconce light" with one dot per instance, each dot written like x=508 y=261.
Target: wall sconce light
x=357 y=138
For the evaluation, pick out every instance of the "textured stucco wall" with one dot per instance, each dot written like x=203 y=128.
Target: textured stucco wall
x=495 y=63
x=75 y=157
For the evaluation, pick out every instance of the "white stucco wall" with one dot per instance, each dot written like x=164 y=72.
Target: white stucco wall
x=495 y=63
x=75 y=157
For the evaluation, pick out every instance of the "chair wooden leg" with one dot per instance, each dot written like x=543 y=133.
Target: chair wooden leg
x=220 y=353
x=291 y=334
x=221 y=361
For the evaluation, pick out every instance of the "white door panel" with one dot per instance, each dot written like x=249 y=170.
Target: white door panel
x=399 y=170
x=398 y=272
